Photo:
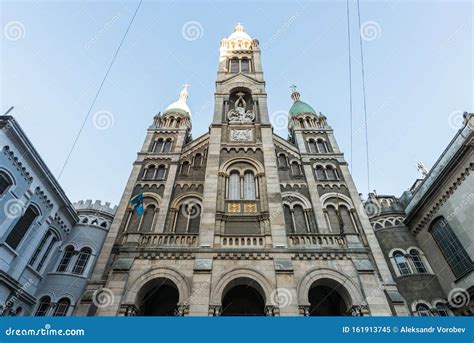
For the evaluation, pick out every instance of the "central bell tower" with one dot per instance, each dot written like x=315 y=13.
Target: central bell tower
x=242 y=192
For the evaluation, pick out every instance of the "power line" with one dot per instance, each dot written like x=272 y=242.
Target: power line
x=98 y=92
x=350 y=77
x=364 y=98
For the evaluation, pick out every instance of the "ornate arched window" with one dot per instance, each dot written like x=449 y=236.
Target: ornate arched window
x=188 y=217
x=333 y=219
x=452 y=249
x=160 y=172
x=150 y=172
x=185 y=168
x=347 y=219
x=322 y=148
x=148 y=219
x=66 y=259
x=5 y=182
x=417 y=261
x=61 y=307
x=300 y=219
x=249 y=186
x=423 y=310
x=402 y=263
x=234 y=186
x=21 y=227
x=197 y=160
x=295 y=168
x=282 y=161
x=167 y=146
x=331 y=173
x=288 y=219
x=158 y=145
x=312 y=146
x=40 y=247
x=43 y=307
x=50 y=246
x=320 y=174
x=82 y=260
x=245 y=65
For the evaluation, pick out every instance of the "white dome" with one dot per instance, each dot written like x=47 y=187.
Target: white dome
x=180 y=106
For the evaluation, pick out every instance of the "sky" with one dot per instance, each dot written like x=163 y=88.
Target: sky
x=418 y=62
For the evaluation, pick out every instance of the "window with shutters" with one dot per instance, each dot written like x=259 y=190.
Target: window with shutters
x=21 y=227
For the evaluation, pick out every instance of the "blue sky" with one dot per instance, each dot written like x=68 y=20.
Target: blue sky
x=418 y=62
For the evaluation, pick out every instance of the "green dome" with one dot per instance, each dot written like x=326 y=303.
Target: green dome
x=300 y=107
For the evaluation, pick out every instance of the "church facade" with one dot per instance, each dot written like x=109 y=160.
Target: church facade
x=241 y=221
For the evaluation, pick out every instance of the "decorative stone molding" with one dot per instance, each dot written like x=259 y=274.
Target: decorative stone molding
x=17 y=163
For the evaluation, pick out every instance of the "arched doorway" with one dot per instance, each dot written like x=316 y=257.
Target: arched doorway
x=327 y=298
x=158 y=297
x=243 y=297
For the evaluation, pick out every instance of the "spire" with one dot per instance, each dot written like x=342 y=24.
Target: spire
x=239 y=28
x=183 y=95
x=295 y=95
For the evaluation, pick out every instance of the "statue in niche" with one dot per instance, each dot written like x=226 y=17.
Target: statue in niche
x=239 y=114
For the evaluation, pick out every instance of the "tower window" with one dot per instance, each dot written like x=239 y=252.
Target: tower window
x=66 y=259
x=402 y=263
x=320 y=174
x=452 y=249
x=81 y=261
x=198 y=160
x=322 y=146
x=61 y=308
x=185 y=168
x=312 y=146
x=417 y=261
x=160 y=174
x=331 y=173
x=150 y=172
x=167 y=146
x=234 y=65
x=282 y=161
x=245 y=65
x=295 y=168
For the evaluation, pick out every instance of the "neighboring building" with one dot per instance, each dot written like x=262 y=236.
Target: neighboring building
x=427 y=235
x=47 y=251
x=241 y=221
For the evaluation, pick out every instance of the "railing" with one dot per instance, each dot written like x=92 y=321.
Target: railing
x=169 y=239
x=242 y=241
x=317 y=240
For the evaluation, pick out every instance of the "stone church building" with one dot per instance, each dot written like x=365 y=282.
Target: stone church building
x=239 y=221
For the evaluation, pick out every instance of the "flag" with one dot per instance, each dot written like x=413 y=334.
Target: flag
x=137 y=202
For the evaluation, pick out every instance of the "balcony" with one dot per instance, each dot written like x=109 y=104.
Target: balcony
x=312 y=240
x=168 y=239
